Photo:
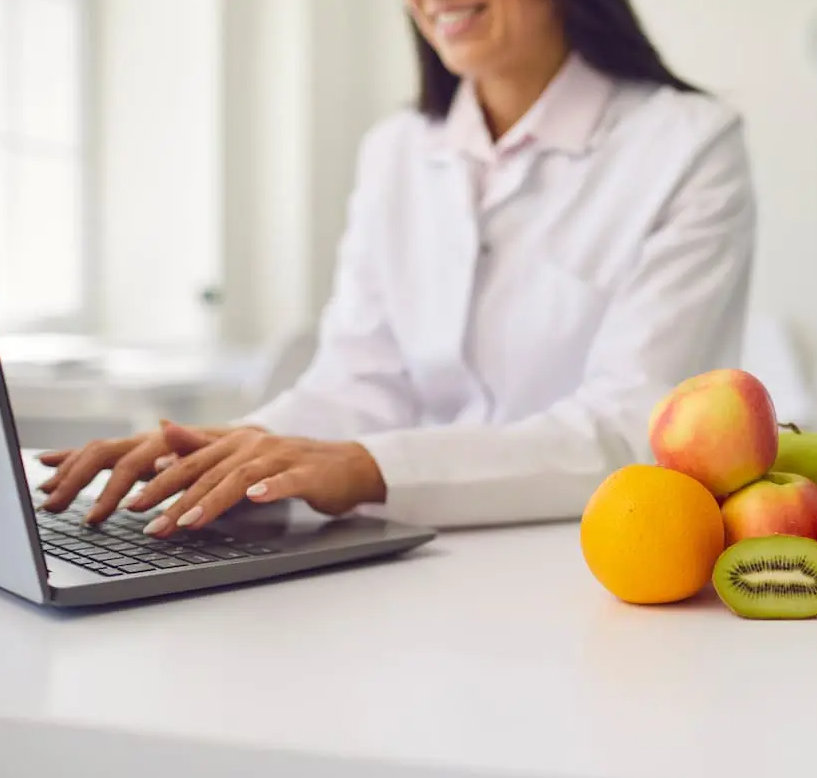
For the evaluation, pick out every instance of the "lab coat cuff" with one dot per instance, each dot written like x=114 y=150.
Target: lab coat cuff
x=390 y=452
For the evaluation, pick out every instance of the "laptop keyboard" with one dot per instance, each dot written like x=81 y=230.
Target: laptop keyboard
x=119 y=547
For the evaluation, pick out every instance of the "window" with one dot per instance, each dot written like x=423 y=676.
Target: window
x=42 y=163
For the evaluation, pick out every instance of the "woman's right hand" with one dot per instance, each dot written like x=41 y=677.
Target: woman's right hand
x=130 y=460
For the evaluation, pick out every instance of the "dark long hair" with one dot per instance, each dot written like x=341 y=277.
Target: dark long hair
x=606 y=33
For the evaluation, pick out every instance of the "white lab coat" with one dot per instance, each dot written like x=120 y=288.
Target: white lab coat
x=500 y=359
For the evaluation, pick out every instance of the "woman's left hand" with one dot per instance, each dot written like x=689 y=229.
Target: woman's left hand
x=332 y=477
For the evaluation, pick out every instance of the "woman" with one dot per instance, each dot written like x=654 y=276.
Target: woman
x=559 y=233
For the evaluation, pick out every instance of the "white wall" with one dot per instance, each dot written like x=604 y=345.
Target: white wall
x=266 y=69
x=762 y=56
x=392 y=63
x=230 y=130
x=304 y=81
x=159 y=185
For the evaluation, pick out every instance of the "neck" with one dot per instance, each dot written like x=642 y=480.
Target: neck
x=506 y=97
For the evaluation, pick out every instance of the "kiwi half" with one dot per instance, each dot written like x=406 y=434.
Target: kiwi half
x=772 y=577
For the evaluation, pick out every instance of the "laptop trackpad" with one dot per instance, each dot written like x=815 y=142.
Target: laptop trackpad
x=288 y=518
x=292 y=524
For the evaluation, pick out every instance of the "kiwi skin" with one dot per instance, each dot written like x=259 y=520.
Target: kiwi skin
x=772 y=577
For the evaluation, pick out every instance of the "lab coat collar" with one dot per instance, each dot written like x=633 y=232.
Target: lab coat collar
x=565 y=118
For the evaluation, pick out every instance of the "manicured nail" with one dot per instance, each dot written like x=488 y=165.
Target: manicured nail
x=191 y=517
x=159 y=524
x=257 y=491
x=163 y=462
x=129 y=502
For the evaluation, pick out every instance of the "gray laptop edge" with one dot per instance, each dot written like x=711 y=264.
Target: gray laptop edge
x=52 y=560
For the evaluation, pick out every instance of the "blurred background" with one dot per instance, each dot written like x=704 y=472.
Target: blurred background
x=174 y=177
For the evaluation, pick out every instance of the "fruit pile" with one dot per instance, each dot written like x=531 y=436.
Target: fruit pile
x=731 y=500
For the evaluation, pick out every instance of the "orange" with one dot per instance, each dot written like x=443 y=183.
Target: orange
x=652 y=535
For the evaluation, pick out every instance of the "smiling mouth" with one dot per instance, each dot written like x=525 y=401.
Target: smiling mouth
x=458 y=20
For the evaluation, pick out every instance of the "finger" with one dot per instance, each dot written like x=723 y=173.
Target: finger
x=51 y=483
x=290 y=484
x=90 y=462
x=231 y=491
x=181 y=474
x=184 y=440
x=131 y=468
x=54 y=458
x=166 y=524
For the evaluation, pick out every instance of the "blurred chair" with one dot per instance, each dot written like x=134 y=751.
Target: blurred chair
x=284 y=366
x=771 y=354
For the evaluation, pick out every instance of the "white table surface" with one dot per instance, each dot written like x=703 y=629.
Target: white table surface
x=490 y=653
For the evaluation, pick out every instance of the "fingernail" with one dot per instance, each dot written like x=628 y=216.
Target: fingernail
x=132 y=500
x=163 y=462
x=191 y=517
x=257 y=490
x=159 y=524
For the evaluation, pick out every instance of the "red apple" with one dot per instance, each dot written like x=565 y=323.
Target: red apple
x=777 y=504
x=719 y=427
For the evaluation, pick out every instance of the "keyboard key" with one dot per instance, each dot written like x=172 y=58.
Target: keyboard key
x=137 y=525
x=72 y=532
x=136 y=539
x=257 y=549
x=109 y=572
x=117 y=560
x=170 y=562
x=101 y=556
x=191 y=543
x=106 y=542
x=137 y=567
x=224 y=553
x=75 y=545
x=159 y=545
x=117 y=531
x=122 y=547
x=197 y=558
x=150 y=556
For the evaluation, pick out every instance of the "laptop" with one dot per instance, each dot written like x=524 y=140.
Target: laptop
x=52 y=560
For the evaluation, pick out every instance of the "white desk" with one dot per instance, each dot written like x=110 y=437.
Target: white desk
x=489 y=653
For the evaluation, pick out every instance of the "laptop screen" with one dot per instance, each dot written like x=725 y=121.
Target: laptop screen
x=22 y=567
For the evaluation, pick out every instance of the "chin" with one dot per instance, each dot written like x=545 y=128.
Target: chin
x=466 y=60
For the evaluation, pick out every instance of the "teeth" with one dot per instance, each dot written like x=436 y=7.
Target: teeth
x=454 y=17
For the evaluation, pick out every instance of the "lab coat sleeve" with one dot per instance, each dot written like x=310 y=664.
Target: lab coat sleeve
x=356 y=382
x=694 y=268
